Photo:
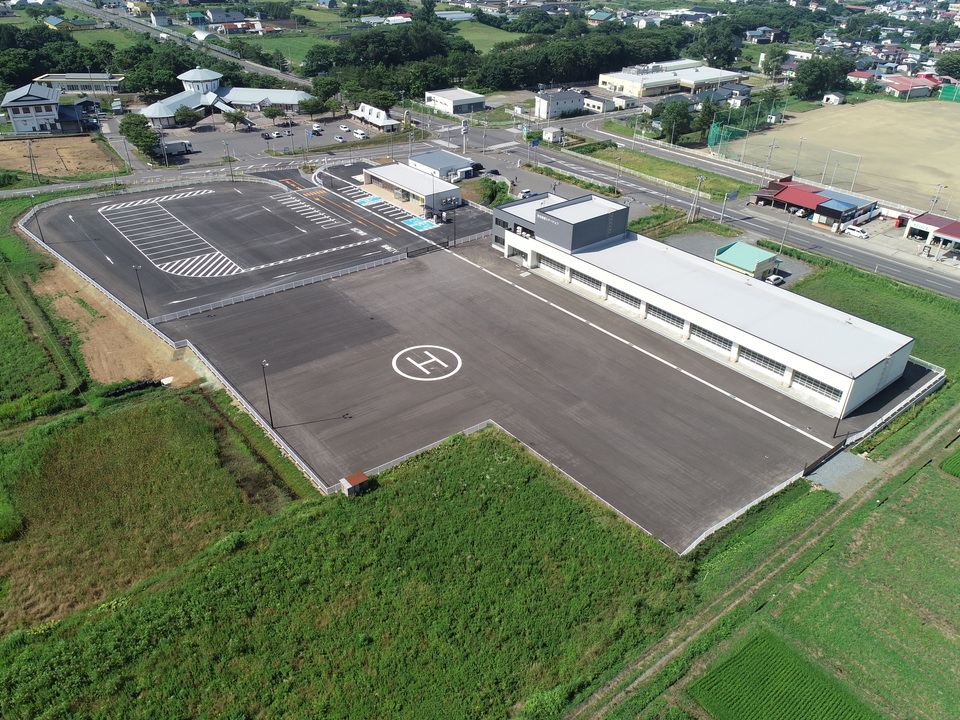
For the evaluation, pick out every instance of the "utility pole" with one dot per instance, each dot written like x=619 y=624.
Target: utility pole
x=695 y=204
x=763 y=178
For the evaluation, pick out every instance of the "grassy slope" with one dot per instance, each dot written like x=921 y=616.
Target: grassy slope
x=25 y=368
x=159 y=480
x=121 y=39
x=472 y=577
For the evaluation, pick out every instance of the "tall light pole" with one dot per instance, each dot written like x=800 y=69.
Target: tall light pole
x=616 y=185
x=410 y=146
x=936 y=198
x=226 y=149
x=763 y=178
x=37 y=216
x=263 y=366
x=785 y=231
x=146 y=314
x=796 y=163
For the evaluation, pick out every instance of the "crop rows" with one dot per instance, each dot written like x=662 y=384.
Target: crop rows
x=765 y=679
x=952 y=464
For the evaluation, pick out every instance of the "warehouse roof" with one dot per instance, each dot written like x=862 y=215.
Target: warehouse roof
x=410 y=179
x=743 y=256
x=456 y=94
x=583 y=208
x=831 y=338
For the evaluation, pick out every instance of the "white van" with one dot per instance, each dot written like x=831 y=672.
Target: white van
x=360 y=134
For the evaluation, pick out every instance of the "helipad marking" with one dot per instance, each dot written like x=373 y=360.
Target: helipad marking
x=427 y=366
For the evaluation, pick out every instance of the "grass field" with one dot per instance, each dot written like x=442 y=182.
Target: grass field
x=121 y=39
x=483 y=37
x=666 y=221
x=159 y=480
x=716 y=185
x=25 y=368
x=766 y=679
x=381 y=606
x=880 y=611
x=293 y=45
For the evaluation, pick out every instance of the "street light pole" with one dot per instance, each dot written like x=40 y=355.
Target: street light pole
x=796 y=164
x=37 y=216
x=263 y=366
x=616 y=185
x=763 y=178
x=146 y=313
x=229 y=159
x=936 y=198
x=785 y=231
x=694 y=205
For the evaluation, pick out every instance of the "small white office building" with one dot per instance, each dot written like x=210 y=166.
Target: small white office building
x=825 y=358
x=405 y=184
x=442 y=164
x=455 y=101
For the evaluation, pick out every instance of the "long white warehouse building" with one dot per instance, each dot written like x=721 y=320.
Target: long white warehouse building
x=820 y=356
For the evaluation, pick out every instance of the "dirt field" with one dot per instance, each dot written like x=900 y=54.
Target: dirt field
x=57 y=156
x=904 y=149
x=115 y=346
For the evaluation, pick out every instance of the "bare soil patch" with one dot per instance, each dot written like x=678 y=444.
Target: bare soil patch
x=115 y=347
x=57 y=156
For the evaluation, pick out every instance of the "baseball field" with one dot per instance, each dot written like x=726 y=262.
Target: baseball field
x=889 y=150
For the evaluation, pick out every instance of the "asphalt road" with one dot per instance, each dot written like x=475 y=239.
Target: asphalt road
x=665 y=449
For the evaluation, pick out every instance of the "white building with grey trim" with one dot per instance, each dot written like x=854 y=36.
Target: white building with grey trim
x=822 y=357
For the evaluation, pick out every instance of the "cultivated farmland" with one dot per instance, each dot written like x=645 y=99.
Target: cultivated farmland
x=765 y=679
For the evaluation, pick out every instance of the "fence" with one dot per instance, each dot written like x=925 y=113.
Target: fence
x=226 y=302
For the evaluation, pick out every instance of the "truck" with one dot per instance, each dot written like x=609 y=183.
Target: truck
x=174 y=147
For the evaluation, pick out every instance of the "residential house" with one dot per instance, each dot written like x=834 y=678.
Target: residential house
x=7 y=11
x=900 y=86
x=36 y=108
x=160 y=19
x=55 y=23
x=861 y=77
x=599 y=18
x=765 y=35
x=329 y=4
x=196 y=18
x=218 y=16
x=550 y=105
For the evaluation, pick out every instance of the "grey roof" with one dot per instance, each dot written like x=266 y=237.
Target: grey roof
x=833 y=339
x=591 y=207
x=250 y=96
x=410 y=179
x=526 y=209
x=32 y=92
x=456 y=94
x=199 y=74
x=441 y=159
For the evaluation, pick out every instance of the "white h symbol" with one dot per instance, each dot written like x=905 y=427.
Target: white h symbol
x=422 y=365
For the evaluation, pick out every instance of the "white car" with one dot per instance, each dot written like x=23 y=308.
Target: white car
x=338 y=138
x=345 y=128
x=277 y=134
x=856 y=232
x=317 y=126
x=774 y=279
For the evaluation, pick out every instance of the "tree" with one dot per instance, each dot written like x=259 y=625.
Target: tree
x=774 y=56
x=949 y=64
x=820 y=75
x=426 y=12
x=235 y=117
x=325 y=88
x=715 y=45
x=278 y=60
x=674 y=119
x=704 y=119
x=136 y=129
x=36 y=12
x=313 y=106
x=273 y=112
x=187 y=116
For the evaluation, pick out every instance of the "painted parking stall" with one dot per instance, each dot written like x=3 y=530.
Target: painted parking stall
x=165 y=240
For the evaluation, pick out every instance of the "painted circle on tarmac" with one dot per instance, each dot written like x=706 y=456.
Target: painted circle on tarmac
x=427 y=363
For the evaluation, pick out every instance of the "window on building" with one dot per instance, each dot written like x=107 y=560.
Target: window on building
x=585 y=279
x=552 y=264
x=14 y=111
x=500 y=222
x=47 y=108
x=664 y=316
x=701 y=333
x=755 y=358
x=497 y=240
x=821 y=388
x=621 y=296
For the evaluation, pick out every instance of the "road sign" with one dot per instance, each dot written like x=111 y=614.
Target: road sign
x=524 y=128
x=732 y=195
x=535 y=143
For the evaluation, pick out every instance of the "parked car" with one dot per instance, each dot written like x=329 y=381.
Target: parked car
x=317 y=126
x=527 y=193
x=801 y=212
x=317 y=133
x=288 y=132
x=339 y=138
x=856 y=232
x=774 y=279
x=492 y=171
x=345 y=128
x=277 y=134
x=265 y=135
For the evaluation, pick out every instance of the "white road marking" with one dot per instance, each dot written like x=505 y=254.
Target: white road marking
x=238 y=192
x=108 y=258
x=174 y=302
x=71 y=218
x=300 y=229
x=266 y=208
x=277 y=277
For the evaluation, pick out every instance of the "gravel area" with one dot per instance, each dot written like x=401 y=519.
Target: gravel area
x=845 y=474
x=705 y=245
